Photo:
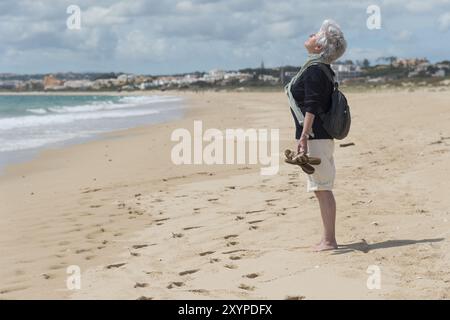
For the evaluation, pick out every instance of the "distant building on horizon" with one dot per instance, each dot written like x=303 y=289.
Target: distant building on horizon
x=52 y=83
x=345 y=70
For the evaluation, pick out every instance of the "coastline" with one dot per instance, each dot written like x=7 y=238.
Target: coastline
x=85 y=93
x=72 y=206
x=25 y=153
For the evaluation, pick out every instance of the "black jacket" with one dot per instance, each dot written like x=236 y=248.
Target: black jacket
x=312 y=92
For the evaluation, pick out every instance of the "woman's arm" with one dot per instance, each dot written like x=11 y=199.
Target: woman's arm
x=307 y=125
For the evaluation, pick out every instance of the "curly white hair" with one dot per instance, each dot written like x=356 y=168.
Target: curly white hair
x=331 y=38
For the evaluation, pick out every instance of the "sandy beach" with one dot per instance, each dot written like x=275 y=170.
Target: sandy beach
x=139 y=226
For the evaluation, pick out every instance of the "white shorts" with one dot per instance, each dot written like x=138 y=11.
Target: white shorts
x=323 y=177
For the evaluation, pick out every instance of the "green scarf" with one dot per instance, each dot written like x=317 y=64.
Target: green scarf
x=312 y=59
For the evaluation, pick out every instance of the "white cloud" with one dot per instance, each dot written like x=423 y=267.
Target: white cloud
x=170 y=35
x=96 y=16
x=184 y=6
x=284 y=29
x=403 y=35
x=136 y=45
x=415 y=6
x=444 y=21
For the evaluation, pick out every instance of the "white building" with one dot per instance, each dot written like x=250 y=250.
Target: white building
x=346 y=71
x=125 y=78
x=78 y=84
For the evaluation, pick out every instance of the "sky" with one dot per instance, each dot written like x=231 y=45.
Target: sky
x=177 y=36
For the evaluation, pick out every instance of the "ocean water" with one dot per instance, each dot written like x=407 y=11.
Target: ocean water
x=29 y=123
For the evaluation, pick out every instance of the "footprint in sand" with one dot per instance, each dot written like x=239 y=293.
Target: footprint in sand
x=251 y=275
x=206 y=253
x=82 y=251
x=12 y=289
x=233 y=251
x=254 y=211
x=153 y=273
x=230 y=266
x=175 y=284
x=230 y=236
x=214 y=260
x=232 y=243
x=144 y=298
x=280 y=213
x=253 y=228
x=140 y=285
x=91 y=190
x=177 y=235
x=295 y=298
x=158 y=221
x=199 y=291
x=47 y=276
x=115 y=266
x=255 y=221
x=183 y=273
x=235 y=257
x=140 y=246
x=246 y=287
x=190 y=228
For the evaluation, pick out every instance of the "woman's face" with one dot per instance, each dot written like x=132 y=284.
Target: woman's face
x=311 y=44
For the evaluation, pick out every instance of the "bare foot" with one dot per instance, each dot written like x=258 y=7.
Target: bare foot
x=326 y=245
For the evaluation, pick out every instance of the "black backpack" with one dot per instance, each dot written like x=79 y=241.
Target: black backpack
x=337 y=120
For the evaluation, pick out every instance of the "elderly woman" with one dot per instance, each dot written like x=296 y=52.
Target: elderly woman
x=310 y=94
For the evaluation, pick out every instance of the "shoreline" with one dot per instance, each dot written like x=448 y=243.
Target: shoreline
x=26 y=155
x=83 y=93
x=138 y=224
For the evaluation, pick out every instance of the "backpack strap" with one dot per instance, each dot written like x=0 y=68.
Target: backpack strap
x=330 y=77
x=328 y=74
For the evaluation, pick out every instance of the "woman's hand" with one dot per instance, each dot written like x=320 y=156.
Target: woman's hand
x=302 y=146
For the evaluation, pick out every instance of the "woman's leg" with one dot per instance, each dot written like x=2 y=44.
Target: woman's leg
x=327 y=205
